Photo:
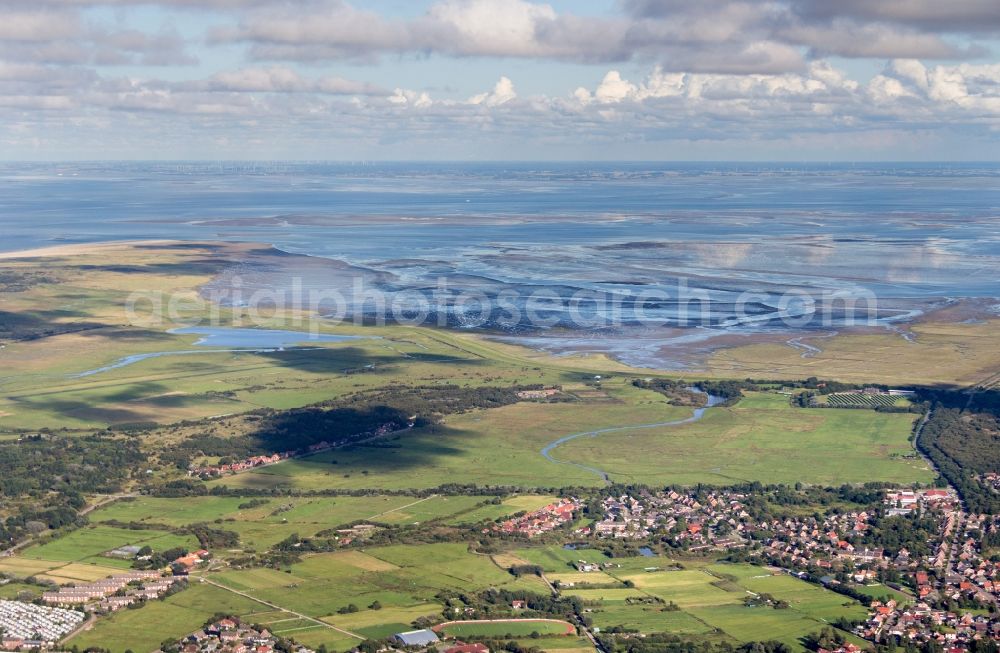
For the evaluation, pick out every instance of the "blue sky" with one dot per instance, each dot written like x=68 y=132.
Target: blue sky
x=500 y=79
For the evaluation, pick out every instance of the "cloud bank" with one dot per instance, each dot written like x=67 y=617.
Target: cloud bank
x=667 y=78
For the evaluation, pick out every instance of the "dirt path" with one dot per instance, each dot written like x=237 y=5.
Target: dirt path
x=409 y=505
x=281 y=609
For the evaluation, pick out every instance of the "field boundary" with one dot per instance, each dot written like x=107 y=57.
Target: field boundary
x=570 y=628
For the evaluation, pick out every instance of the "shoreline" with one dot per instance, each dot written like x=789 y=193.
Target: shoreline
x=82 y=249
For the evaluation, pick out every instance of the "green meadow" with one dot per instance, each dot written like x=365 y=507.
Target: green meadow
x=501 y=446
x=88 y=543
x=762 y=438
x=265 y=525
x=397 y=577
x=509 y=506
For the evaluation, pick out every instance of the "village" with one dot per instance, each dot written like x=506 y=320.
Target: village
x=230 y=635
x=943 y=595
x=720 y=522
x=543 y=520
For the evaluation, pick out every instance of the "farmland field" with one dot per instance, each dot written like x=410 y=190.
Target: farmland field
x=712 y=596
x=861 y=400
x=397 y=577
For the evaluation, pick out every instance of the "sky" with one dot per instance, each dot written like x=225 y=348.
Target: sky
x=789 y=80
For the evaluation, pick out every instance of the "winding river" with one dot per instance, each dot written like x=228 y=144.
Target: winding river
x=695 y=416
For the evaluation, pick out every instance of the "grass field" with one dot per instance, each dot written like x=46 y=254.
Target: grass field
x=88 y=543
x=58 y=571
x=764 y=439
x=13 y=590
x=398 y=577
x=581 y=579
x=560 y=560
x=649 y=619
x=564 y=644
x=268 y=524
x=497 y=447
x=509 y=506
x=377 y=624
x=883 y=593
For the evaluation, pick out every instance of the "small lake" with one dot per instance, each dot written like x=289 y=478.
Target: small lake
x=229 y=340
x=270 y=338
x=647 y=552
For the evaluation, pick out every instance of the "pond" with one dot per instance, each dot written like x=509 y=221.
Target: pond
x=229 y=339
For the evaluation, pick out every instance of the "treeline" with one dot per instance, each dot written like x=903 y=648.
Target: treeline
x=684 y=393
x=962 y=445
x=665 y=643
x=497 y=603
x=731 y=390
x=677 y=392
x=44 y=478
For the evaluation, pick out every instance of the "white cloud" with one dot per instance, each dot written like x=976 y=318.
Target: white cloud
x=405 y=97
x=281 y=79
x=502 y=93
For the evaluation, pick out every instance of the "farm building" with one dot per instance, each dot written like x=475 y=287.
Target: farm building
x=417 y=638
